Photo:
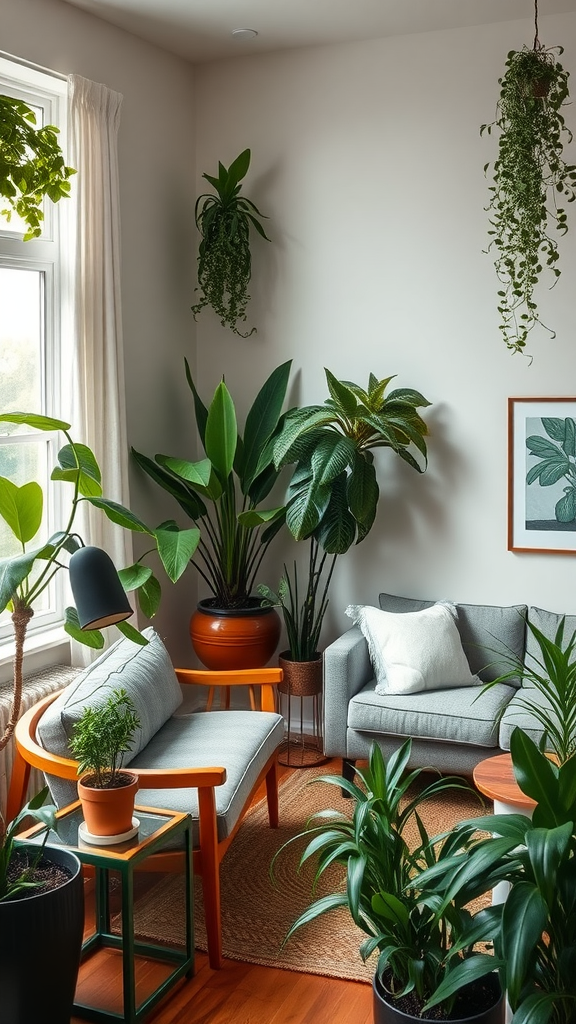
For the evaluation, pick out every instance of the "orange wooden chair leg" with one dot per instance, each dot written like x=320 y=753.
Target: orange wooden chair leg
x=210 y=699
x=18 y=786
x=210 y=875
x=272 y=794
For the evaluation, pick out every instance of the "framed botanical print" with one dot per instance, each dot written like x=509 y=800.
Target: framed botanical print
x=542 y=475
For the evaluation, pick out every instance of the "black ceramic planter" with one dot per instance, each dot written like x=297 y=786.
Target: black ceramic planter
x=40 y=947
x=386 y=1013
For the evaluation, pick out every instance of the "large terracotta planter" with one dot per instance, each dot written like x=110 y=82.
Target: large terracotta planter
x=387 y=1013
x=40 y=946
x=225 y=638
x=108 y=812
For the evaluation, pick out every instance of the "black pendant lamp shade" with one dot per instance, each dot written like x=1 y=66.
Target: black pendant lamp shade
x=98 y=593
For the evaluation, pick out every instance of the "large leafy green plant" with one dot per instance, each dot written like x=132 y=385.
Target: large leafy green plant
x=303 y=612
x=424 y=949
x=224 y=259
x=31 y=164
x=26 y=575
x=531 y=179
x=536 y=939
x=236 y=474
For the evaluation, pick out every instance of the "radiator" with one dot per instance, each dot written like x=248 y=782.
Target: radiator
x=35 y=687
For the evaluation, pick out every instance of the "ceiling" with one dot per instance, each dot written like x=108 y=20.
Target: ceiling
x=201 y=30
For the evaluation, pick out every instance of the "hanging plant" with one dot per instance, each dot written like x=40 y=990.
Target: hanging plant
x=531 y=183
x=224 y=260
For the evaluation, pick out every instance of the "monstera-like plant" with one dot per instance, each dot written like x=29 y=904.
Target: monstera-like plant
x=532 y=182
x=224 y=258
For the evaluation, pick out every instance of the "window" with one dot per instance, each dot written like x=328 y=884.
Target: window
x=32 y=299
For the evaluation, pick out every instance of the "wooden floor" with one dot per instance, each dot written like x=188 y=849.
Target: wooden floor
x=238 y=994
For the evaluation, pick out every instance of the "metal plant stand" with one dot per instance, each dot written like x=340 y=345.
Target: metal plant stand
x=302 y=681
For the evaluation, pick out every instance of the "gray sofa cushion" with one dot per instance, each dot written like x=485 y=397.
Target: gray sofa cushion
x=146 y=673
x=460 y=715
x=240 y=741
x=517 y=714
x=490 y=634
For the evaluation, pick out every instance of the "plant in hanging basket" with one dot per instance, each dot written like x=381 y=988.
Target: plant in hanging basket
x=224 y=258
x=532 y=181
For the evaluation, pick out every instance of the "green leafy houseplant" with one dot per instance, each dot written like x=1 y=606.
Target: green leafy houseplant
x=31 y=165
x=15 y=879
x=25 y=575
x=303 y=614
x=102 y=736
x=236 y=474
x=530 y=176
x=536 y=939
x=224 y=259
x=426 y=952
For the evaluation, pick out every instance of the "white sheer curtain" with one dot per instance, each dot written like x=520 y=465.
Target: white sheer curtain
x=96 y=394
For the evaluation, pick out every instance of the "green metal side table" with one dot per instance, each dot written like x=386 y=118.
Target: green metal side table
x=157 y=828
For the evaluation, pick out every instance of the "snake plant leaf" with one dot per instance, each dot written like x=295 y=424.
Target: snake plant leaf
x=77 y=463
x=88 y=637
x=221 y=432
x=261 y=422
x=37 y=422
x=176 y=547
x=21 y=508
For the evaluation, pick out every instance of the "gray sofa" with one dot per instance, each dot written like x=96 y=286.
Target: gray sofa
x=452 y=729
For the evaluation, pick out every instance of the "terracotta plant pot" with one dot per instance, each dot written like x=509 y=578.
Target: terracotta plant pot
x=108 y=811
x=387 y=1013
x=225 y=638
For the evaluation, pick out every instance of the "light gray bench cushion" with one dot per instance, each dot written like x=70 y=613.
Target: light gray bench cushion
x=146 y=673
x=491 y=634
x=239 y=741
x=516 y=714
x=460 y=715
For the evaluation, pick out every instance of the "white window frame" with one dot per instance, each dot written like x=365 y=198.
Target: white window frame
x=47 y=255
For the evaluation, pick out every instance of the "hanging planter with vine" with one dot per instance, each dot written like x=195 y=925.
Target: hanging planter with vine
x=224 y=259
x=532 y=181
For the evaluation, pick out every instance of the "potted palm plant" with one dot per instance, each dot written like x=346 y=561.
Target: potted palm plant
x=531 y=183
x=25 y=575
x=107 y=791
x=41 y=913
x=428 y=960
x=224 y=221
x=220 y=493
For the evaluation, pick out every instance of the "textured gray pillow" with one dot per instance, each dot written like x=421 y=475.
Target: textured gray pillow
x=147 y=675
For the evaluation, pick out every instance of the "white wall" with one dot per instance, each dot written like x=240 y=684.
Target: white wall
x=156 y=155
x=368 y=160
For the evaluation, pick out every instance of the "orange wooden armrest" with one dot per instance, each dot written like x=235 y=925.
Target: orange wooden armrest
x=230 y=677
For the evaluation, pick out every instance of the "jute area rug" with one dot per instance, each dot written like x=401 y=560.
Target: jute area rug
x=257 y=910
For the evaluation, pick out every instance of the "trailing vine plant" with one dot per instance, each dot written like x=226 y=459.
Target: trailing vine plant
x=224 y=259
x=531 y=182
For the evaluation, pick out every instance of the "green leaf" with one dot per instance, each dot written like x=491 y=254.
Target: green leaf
x=523 y=921
x=35 y=421
x=331 y=456
x=261 y=422
x=200 y=410
x=195 y=473
x=176 y=548
x=221 y=432
x=149 y=596
x=344 y=398
x=239 y=167
x=88 y=637
x=21 y=508
x=121 y=516
x=132 y=633
x=363 y=494
x=77 y=462
x=255 y=517
x=134 y=576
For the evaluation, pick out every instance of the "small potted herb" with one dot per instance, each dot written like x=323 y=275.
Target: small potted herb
x=100 y=739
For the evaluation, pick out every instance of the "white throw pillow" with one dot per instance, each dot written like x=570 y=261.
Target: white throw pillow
x=414 y=651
